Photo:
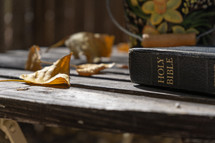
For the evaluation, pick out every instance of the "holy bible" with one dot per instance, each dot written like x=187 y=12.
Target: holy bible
x=186 y=68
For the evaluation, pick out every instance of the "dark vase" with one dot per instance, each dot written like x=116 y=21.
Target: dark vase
x=170 y=16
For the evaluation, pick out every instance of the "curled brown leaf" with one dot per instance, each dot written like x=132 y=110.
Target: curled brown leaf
x=93 y=46
x=123 y=47
x=56 y=74
x=33 y=62
x=91 y=69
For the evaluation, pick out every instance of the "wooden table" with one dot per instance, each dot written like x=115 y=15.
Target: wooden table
x=107 y=102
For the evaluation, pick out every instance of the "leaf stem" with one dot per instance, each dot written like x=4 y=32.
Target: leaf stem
x=45 y=62
x=17 y=80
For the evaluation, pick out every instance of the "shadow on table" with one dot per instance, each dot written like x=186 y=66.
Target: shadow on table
x=177 y=94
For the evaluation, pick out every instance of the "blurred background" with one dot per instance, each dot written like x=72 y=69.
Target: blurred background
x=44 y=22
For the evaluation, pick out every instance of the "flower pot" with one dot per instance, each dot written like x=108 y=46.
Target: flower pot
x=171 y=18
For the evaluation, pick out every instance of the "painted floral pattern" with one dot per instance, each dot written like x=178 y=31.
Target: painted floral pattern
x=170 y=16
x=163 y=9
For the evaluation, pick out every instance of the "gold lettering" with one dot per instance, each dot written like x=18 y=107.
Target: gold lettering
x=170 y=77
x=169 y=81
x=169 y=60
x=170 y=72
x=161 y=79
x=165 y=70
x=160 y=70
x=159 y=60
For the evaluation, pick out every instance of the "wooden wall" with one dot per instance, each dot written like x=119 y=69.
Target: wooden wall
x=43 y=22
x=1 y=28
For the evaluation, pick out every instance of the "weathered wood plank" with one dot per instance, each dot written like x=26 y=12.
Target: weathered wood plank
x=108 y=101
x=69 y=18
x=38 y=26
x=105 y=81
x=113 y=84
x=18 y=24
x=17 y=58
x=2 y=46
x=118 y=12
x=105 y=111
x=89 y=9
x=79 y=16
x=29 y=19
x=49 y=22
x=105 y=75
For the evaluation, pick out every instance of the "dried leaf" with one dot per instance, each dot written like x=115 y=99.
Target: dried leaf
x=105 y=49
x=56 y=74
x=93 y=46
x=33 y=63
x=91 y=69
x=123 y=47
x=122 y=66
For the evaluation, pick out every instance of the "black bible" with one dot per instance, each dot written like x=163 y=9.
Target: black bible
x=187 y=68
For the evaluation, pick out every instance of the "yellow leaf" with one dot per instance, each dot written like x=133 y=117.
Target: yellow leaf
x=148 y=7
x=91 y=69
x=33 y=62
x=178 y=29
x=156 y=18
x=122 y=66
x=173 y=4
x=173 y=16
x=56 y=74
x=162 y=28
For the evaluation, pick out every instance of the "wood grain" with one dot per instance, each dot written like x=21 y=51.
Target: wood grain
x=17 y=58
x=107 y=102
x=115 y=112
x=18 y=25
x=105 y=81
x=2 y=46
x=119 y=84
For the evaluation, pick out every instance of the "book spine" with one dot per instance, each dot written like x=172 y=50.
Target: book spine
x=173 y=70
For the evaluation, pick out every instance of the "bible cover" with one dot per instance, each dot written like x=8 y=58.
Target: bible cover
x=187 y=68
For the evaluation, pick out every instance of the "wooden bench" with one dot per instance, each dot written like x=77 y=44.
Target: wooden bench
x=108 y=102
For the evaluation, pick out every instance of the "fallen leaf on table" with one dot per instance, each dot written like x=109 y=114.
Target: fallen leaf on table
x=91 y=69
x=107 y=42
x=33 y=62
x=56 y=74
x=92 y=45
x=123 y=47
x=122 y=66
